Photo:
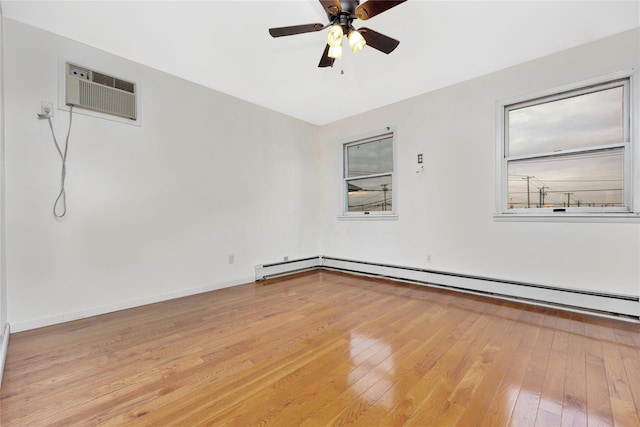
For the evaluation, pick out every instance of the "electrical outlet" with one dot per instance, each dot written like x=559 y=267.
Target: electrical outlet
x=46 y=108
x=232 y=258
x=419 y=159
x=428 y=258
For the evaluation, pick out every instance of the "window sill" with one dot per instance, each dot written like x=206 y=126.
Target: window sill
x=363 y=217
x=569 y=217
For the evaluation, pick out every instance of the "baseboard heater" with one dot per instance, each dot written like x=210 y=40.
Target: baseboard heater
x=277 y=269
x=594 y=302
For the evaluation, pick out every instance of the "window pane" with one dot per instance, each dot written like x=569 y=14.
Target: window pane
x=369 y=194
x=592 y=179
x=580 y=121
x=370 y=157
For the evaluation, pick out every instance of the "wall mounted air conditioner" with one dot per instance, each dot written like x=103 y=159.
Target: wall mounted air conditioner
x=99 y=92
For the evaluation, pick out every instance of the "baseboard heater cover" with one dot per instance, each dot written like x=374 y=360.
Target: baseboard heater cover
x=268 y=271
x=595 y=302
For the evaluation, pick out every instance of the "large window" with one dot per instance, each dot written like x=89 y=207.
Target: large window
x=368 y=176
x=568 y=152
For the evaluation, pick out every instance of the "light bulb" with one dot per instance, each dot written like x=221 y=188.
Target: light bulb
x=335 y=52
x=334 y=36
x=356 y=41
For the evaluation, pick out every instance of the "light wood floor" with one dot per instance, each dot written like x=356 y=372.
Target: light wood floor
x=326 y=349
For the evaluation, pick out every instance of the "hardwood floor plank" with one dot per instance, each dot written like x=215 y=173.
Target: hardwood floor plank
x=504 y=400
x=427 y=372
x=471 y=369
x=439 y=331
x=624 y=410
x=632 y=369
x=325 y=348
x=370 y=359
x=531 y=391
x=361 y=384
x=598 y=402
x=574 y=404
x=549 y=411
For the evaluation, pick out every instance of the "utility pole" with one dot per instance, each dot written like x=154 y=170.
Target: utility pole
x=384 y=191
x=528 y=191
x=568 y=199
x=542 y=193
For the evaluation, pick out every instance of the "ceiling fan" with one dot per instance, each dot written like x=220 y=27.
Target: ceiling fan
x=341 y=15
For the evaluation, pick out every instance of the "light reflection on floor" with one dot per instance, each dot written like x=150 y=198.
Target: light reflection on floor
x=374 y=365
x=549 y=410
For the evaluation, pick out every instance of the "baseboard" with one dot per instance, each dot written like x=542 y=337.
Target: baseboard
x=110 y=308
x=3 y=350
x=571 y=299
x=276 y=269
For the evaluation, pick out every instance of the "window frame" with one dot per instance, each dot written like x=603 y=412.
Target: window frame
x=631 y=160
x=363 y=139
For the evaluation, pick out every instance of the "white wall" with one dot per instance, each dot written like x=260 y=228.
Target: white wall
x=3 y=281
x=447 y=211
x=153 y=211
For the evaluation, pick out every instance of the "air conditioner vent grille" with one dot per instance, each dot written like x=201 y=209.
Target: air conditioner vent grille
x=106 y=100
x=103 y=79
x=123 y=85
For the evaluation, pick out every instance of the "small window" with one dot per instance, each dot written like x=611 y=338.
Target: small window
x=368 y=176
x=567 y=152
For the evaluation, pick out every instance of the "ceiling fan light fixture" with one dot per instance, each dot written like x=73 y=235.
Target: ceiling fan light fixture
x=356 y=41
x=334 y=36
x=341 y=15
x=335 y=52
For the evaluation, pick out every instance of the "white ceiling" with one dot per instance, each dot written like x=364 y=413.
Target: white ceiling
x=225 y=45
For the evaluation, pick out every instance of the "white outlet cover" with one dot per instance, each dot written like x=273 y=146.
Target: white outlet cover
x=46 y=108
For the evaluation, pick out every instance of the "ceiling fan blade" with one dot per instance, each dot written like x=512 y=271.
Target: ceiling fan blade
x=325 y=61
x=332 y=7
x=375 y=7
x=379 y=41
x=295 y=29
